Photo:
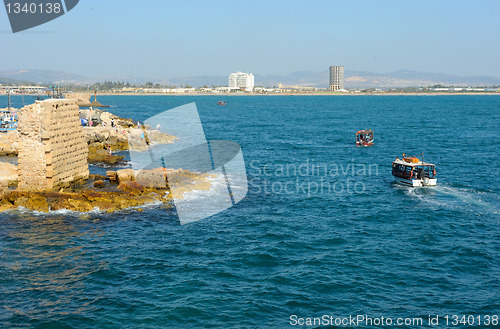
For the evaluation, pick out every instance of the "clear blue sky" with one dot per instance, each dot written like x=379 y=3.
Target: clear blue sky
x=167 y=39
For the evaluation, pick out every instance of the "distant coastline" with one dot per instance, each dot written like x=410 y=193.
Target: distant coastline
x=306 y=94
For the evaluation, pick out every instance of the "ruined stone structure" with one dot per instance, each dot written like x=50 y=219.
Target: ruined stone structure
x=52 y=148
x=82 y=99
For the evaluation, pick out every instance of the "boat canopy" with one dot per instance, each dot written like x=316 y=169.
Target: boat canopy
x=413 y=164
x=365 y=132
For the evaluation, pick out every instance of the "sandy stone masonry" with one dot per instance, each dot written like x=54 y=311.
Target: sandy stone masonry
x=52 y=148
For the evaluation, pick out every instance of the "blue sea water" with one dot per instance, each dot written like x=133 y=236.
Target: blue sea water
x=323 y=230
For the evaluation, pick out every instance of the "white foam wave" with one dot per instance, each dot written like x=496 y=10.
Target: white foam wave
x=454 y=198
x=95 y=211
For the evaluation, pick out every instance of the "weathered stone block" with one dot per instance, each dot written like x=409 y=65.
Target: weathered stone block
x=52 y=154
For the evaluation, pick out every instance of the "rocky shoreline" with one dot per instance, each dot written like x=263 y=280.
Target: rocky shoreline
x=116 y=191
x=120 y=189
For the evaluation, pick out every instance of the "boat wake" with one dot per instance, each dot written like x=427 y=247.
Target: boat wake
x=455 y=198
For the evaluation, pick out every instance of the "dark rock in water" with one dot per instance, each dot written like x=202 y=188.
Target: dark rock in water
x=97 y=177
x=99 y=184
x=109 y=159
x=99 y=153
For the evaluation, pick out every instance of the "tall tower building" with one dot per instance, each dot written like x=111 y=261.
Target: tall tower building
x=336 y=77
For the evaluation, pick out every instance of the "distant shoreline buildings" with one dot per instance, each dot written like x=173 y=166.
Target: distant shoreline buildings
x=240 y=80
x=336 y=78
x=22 y=89
x=243 y=83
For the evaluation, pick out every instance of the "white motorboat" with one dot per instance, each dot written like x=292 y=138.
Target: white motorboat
x=411 y=171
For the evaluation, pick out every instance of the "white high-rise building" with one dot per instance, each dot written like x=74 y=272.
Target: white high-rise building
x=241 y=80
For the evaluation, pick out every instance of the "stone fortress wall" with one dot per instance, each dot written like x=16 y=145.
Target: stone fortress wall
x=52 y=147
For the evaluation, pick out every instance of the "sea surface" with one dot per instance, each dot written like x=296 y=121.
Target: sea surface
x=323 y=230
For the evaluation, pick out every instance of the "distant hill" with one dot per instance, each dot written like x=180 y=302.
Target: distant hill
x=7 y=81
x=353 y=79
x=363 y=79
x=404 y=78
x=62 y=77
x=44 y=76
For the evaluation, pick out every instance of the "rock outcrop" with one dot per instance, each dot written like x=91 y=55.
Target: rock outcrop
x=123 y=189
x=8 y=174
x=9 y=143
x=179 y=181
x=83 y=201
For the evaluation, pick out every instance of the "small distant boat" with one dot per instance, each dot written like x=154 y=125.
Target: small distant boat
x=364 y=137
x=221 y=103
x=411 y=171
